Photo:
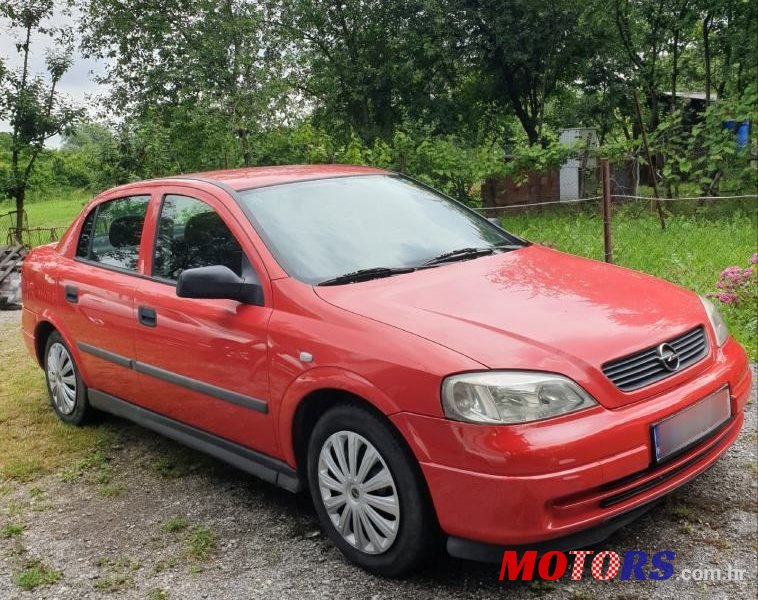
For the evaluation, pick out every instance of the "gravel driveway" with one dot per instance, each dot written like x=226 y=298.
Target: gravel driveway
x=172 y=523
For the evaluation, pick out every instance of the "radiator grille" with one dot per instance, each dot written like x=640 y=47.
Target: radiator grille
x=643 y=368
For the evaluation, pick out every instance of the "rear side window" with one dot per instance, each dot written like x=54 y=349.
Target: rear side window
x=191 y=234
x=112 y=231
x=85 y=237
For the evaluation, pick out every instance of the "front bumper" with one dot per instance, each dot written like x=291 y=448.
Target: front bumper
x=493 y=553
x=547 y=481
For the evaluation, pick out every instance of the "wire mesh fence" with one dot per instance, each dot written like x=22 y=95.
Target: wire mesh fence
x=28 y=237
x=34 y=236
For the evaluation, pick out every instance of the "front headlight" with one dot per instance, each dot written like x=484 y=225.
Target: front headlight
x=511 y=397
x=717 y=321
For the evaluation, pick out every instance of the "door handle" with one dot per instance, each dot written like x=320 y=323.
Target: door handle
x=71 y=294
x=147 y=316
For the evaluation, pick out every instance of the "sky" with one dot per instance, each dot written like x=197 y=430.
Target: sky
x=77 y=83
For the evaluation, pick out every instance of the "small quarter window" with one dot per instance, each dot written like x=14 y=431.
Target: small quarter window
x=85 y=237
x=191 y=234
x=112 y=232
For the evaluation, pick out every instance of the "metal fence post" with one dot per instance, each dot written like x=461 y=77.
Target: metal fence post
x=607 y=242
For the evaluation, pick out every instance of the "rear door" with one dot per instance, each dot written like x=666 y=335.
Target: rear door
x=203 y=362
x=98 y=287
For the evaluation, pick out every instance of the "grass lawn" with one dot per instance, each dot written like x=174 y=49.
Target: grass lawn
x=33 y=440
x=56 y=210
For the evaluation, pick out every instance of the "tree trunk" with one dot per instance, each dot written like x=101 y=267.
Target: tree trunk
x=707 y=57
x=531 y=132
x=526 y=118
x=652 y=103
x=245 y=147
x=20 y=197
x=726 y=70
x=674 y=69
x=528 y=123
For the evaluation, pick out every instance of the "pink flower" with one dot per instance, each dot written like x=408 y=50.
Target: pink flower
x=728 y=298
x=733 y=273
x=734 y=281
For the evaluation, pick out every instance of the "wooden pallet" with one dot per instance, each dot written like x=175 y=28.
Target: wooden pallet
x=10 y=259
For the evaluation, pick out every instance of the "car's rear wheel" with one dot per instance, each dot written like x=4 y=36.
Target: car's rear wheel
x=369 y=493
x=65 y=387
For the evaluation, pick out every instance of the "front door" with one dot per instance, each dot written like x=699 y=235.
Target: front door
x=202 y=362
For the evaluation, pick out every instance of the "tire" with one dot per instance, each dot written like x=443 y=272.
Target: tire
x=396 y=530
x=65 y=388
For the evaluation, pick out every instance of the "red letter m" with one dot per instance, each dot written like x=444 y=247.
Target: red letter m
x=512 y=567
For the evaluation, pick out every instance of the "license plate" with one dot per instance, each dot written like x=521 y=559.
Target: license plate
x=691 y=425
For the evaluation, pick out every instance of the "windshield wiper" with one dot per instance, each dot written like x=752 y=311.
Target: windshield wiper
x=366 y=274
x=467 y=253
x=379 y=272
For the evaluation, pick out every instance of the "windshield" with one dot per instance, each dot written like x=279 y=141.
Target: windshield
x=322 y=229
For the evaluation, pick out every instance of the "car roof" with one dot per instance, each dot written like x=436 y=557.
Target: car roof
x=254 y=177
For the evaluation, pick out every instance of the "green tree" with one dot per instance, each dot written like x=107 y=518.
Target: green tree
x=727 y=46
x=172 y=60
x=525 y=51
x=369 y=65
x=35 y=108
x=657 y=36
x=442 y=89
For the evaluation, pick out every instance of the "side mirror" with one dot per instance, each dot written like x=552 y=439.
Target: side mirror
x=217 y=282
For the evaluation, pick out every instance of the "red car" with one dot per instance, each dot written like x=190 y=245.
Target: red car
x=421 y=371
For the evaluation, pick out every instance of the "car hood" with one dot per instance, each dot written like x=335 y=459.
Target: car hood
x=533 y=308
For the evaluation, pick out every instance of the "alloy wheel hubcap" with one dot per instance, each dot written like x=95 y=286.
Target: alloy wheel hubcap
x=358 y=492
x=61 y=378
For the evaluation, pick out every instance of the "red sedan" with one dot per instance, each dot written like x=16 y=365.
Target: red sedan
x=421 y=371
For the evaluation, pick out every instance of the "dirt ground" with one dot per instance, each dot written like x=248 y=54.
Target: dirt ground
x=146 y=518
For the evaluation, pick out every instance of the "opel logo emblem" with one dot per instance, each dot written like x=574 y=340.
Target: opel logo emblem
x=668 y=356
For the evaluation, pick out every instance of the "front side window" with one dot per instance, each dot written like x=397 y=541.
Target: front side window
x=325 y=228
x=191 y=234
x=111 y=233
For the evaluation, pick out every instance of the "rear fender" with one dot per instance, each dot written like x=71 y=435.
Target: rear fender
x=47 y=315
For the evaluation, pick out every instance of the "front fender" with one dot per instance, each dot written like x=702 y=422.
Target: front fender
x=320 y=378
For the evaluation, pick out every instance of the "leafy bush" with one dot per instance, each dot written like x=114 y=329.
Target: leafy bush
x=705 y=153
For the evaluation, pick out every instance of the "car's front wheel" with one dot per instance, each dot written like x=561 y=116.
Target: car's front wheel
x=369 y=493
x=65 y=387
